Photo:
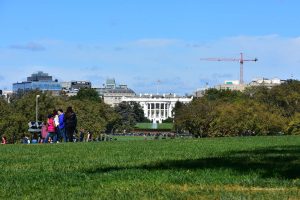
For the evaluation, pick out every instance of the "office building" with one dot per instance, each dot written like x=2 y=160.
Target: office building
x=37 y=81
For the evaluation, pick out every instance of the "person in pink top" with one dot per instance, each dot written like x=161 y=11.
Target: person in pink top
x=44 y=132
x=50 y=129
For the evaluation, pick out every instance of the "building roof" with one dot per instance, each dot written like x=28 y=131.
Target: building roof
x=39 y=76
x=155 y=96
x=111 y=88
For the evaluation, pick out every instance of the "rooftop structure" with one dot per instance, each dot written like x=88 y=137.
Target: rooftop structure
x=39 y=76
x=72 y=87
x=231 y=85
x=110 y=83
x=235 y=84
x=266 y=82
x=112 y=93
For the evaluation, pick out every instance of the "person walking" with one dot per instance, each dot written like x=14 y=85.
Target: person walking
x=70 y=123
x=61 y=125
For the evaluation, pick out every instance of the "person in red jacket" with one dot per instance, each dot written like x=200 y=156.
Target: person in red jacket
x=50 y=129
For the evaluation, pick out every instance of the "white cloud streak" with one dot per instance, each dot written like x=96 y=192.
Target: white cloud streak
x=31 y=46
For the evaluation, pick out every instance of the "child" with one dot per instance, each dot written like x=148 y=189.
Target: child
x=44 y=132
x=50 y=140
x=3 y=139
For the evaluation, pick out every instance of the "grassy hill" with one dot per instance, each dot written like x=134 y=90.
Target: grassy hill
x=216 y=168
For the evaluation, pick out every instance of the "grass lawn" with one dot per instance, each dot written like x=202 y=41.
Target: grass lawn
x=130 y=138
x=165 y=126
x=217 y=168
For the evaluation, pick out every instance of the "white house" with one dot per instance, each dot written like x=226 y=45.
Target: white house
x=157 y=107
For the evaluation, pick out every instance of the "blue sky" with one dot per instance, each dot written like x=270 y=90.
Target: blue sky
x=140 y=42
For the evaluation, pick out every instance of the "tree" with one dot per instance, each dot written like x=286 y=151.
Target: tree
x=87 y=94
x=294 y=125
x=195 y=117
x=285 y=97
x=246 y=118
x=139 y=114
x=93 y=116
x=223 y=95
x=128 y=118
x=130 y=114
x=219 y=117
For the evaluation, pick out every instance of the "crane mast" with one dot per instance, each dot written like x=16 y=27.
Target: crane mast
x=241 y=60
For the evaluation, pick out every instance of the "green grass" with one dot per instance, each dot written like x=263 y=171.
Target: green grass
x=131 y=138
x=217 y=168
x=162 y=126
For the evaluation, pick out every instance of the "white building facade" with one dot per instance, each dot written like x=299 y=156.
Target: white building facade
x=157 y=107
x=266 y=82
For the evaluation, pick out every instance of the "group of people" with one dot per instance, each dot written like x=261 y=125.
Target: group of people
x=59 y=127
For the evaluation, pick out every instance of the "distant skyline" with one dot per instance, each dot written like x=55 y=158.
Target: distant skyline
x=141 y=42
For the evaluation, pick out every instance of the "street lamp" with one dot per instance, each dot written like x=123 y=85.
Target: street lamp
x=36 y=108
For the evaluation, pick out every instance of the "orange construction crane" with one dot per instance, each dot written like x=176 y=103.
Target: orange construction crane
x=241 y=60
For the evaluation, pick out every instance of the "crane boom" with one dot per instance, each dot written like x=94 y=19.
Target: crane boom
x=241 y=60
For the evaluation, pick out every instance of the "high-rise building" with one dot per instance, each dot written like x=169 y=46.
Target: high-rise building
x=37 y=81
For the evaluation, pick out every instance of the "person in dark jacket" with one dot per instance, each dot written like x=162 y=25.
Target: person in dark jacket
x=70 y=120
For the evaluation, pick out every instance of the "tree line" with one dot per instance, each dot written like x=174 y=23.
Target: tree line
x=256 y=111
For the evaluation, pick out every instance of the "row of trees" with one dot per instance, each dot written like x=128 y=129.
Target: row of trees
x=92 y=113
x=256 y=111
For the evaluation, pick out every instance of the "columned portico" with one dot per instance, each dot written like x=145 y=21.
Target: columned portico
x=157 y=107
